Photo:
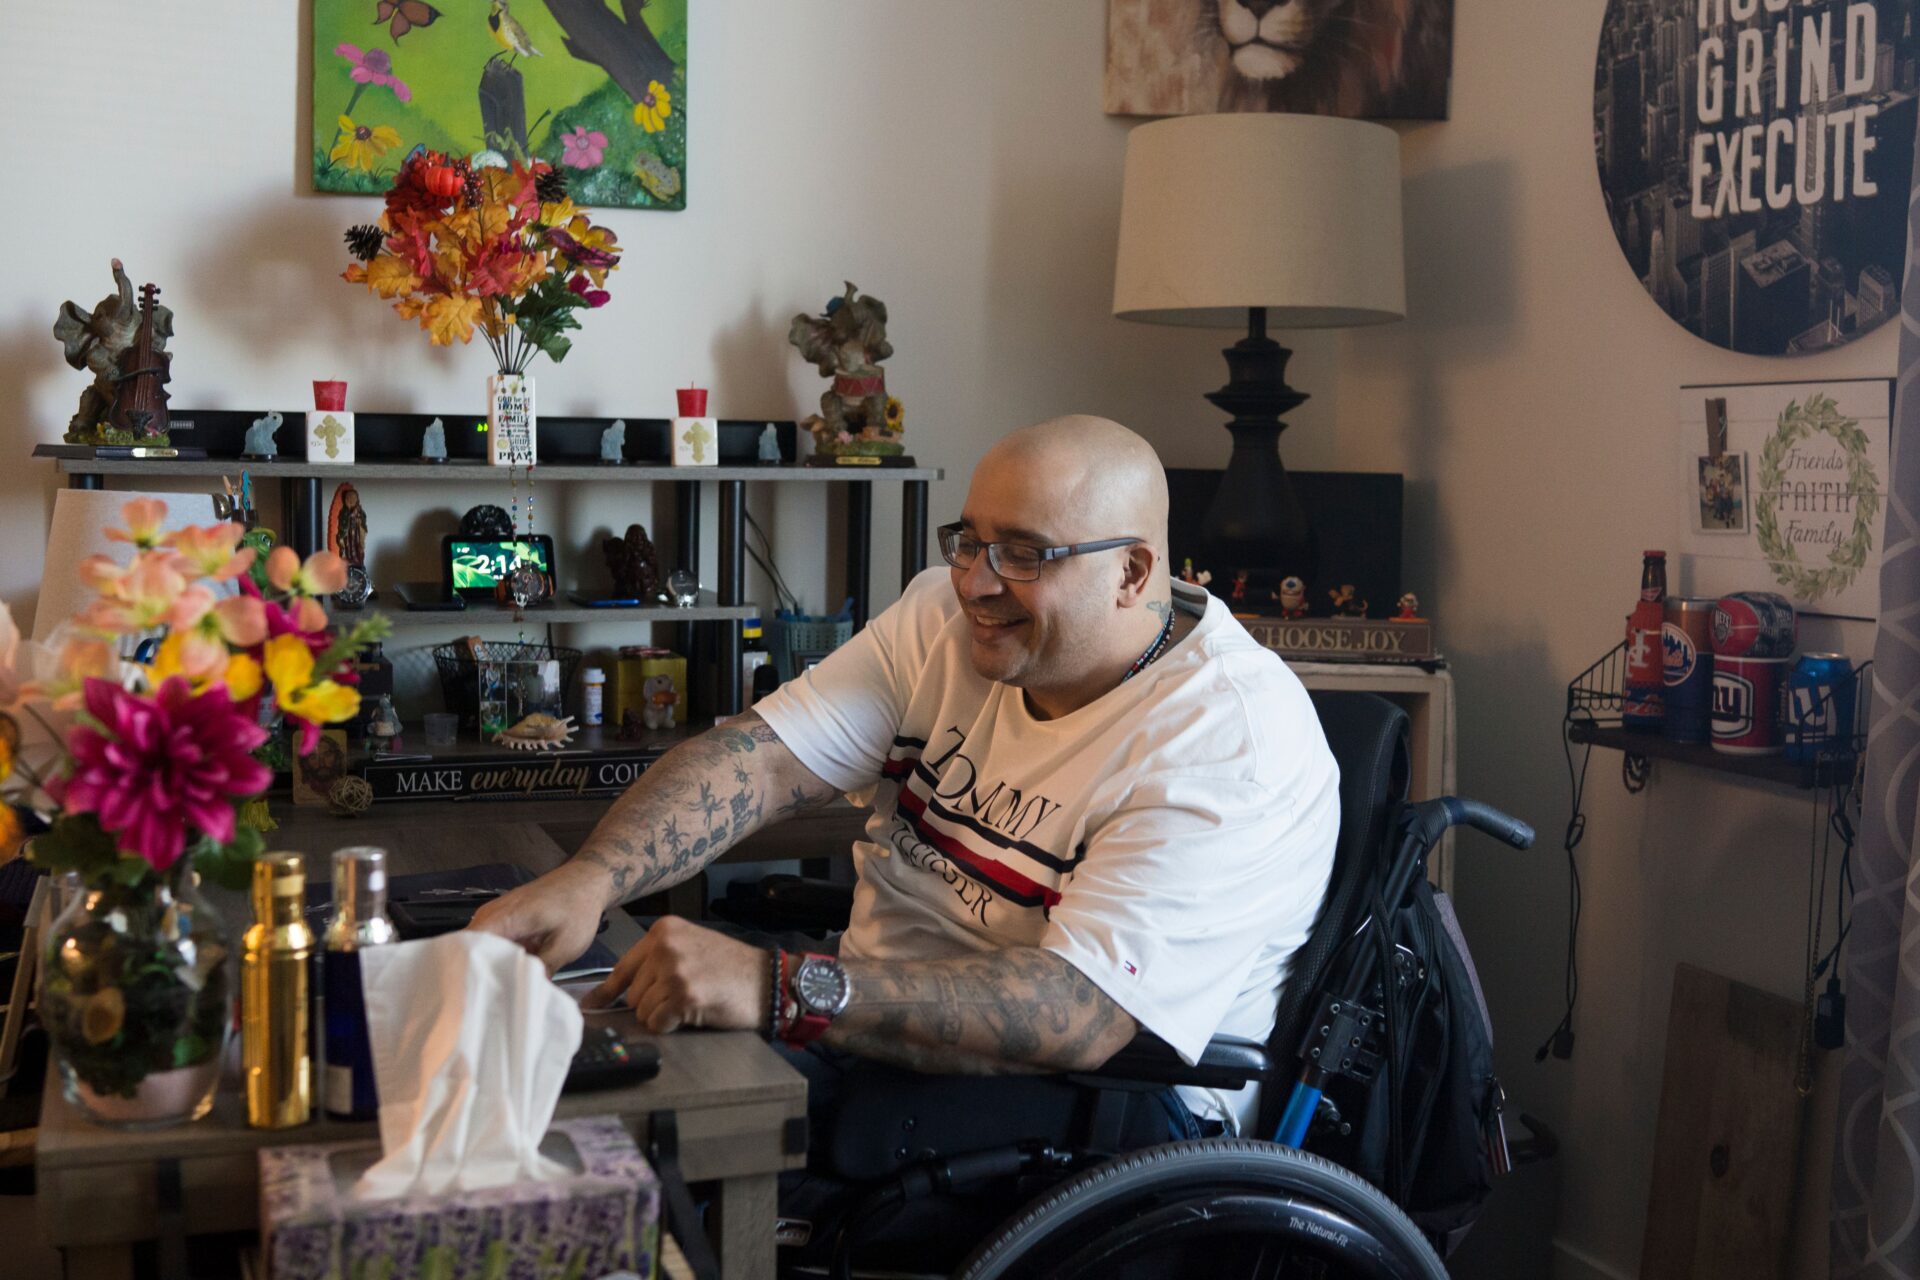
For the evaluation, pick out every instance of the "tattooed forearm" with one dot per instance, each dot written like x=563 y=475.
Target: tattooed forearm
x=1001 y=1012
x=695 y=802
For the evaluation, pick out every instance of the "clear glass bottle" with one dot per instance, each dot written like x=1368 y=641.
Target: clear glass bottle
x=359 y=920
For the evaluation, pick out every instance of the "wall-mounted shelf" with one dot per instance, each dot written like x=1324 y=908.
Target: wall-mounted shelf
x=1775 y=769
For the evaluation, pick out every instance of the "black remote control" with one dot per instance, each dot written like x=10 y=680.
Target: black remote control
x=606 y=1061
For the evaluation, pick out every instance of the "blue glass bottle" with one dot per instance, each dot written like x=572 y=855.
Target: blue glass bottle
x=359 y=920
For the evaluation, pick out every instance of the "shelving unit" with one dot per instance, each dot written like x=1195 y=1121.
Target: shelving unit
x=382 y=441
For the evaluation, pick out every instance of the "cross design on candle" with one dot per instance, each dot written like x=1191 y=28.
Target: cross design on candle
x=697 y=437
x=330 y=431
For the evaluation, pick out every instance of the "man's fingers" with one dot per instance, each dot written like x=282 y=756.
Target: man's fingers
x=624 y=969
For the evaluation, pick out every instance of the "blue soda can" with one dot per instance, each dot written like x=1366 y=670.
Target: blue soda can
x=1820 y=708
x=1687 y=668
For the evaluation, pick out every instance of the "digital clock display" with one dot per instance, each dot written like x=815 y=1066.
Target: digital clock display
x=477 y=566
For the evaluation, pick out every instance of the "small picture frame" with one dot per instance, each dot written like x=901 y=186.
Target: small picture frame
x=315 y=773
x=696 y=442
x=1721 y=496
x=330 y=437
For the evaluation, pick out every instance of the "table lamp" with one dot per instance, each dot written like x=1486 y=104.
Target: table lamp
x=1252 y=219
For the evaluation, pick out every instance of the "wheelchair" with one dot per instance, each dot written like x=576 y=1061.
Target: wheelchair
x=1023 y=1178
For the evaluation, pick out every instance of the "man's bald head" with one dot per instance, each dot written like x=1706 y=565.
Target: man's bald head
x=1106 y=481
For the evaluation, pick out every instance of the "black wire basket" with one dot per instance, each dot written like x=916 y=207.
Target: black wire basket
x=1596 y=699
x=459 y=667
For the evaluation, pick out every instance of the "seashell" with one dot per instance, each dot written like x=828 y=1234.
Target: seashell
x=537 y=732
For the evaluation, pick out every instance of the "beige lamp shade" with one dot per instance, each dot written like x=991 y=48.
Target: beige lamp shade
x=81 y=518
x=1295 y=213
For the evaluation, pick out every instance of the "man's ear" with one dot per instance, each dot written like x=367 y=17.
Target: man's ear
x=1136 y=574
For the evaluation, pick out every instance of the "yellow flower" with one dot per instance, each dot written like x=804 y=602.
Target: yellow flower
x=289 y=664
x=360 y=145
x=448 y=317
x=559 y=213
x=203 y=662
x=896 y=414
x=8 y=732
x=651 y=112
x=102 y=1015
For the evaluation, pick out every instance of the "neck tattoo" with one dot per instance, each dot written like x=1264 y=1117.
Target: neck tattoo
x=1154 y=650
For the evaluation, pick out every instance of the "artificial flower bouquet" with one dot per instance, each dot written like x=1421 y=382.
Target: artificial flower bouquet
x=485 y=243
x=148 y=773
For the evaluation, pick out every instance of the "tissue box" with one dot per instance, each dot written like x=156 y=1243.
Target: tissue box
x=603 y=1219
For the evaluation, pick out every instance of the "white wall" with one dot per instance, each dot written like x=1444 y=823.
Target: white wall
x=953 y=160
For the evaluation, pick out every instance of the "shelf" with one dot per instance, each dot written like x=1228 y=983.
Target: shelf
x=1775 y=768
x=490 y=613
x=471 y=472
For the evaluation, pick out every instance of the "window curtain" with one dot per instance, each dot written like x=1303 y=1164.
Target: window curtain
x=1876 y=1175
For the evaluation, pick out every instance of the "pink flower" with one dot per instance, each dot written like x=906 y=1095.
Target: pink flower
x=583 y=148
x=304 y=618
x=143 y=517
x=595 y=297
x=374 y=66
x=164 y=766
x=581 y=255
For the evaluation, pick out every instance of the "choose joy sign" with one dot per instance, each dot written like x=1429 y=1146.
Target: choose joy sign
x=1755 y=157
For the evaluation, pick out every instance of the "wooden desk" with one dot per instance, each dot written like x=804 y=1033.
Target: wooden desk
x=100 y=1191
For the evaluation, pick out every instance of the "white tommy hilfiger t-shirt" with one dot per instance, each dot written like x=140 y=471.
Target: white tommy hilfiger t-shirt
x=1172 y=839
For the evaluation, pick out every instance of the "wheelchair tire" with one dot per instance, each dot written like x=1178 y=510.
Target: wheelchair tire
x=1179 y=1193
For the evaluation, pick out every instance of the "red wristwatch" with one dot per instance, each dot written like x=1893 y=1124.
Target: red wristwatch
x=817 y=992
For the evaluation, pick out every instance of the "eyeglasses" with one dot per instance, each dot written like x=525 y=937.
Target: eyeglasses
x=1014 y=561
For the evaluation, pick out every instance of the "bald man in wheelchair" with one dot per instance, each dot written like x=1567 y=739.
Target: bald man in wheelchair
x=1098 y=807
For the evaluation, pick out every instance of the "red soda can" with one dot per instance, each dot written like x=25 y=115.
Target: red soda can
x=1746 y=704
x=1754 y=624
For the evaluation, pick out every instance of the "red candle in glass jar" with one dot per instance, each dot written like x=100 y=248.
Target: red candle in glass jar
x=329 y=395
x=693 y=402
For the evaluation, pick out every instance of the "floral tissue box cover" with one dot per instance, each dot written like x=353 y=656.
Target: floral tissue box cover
x=602 y=1221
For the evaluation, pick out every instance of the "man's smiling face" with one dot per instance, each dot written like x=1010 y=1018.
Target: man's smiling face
x=1033 y=635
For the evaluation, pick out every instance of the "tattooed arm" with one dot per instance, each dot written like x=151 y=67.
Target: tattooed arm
x=993 y=1013
x=689 y=807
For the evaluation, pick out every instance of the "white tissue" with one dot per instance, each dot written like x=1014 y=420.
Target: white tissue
x=471 y=1044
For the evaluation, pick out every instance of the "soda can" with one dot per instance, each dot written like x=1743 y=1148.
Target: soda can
x=1746 y=704
x=1819 y=710
x=1754 y=624
x=1687 y=657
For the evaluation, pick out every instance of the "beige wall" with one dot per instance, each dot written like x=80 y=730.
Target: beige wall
x=953 y=160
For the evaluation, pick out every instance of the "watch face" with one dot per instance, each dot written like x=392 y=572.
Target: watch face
x=822 y=986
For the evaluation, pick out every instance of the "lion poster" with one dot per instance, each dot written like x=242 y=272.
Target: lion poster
x=598 y=91
x=1372 y=59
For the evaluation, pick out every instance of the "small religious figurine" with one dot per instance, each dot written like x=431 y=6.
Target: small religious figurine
x=1409 y=605
x=769 y=452
x=1292 y=595
x=1345 y=603
x=613 y=444
x=95 y=340
x=633 y=565
x=433 y=442
x=347 y=525
x=259 y=445
x=846 y=343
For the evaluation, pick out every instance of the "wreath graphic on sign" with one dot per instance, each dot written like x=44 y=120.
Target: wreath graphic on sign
x=1799 y=422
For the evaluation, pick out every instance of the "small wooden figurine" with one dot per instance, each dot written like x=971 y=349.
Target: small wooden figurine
x=633 y=564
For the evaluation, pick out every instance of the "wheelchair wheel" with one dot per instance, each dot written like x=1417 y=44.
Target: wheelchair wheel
x=1216 y=1207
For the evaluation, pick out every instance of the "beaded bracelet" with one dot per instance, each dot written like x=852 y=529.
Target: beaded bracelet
x=779 y=983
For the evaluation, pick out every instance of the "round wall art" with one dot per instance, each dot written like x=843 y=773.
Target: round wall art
x=1755 y=158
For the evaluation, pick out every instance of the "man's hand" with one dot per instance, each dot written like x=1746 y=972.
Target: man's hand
x=683 y=975
x=555 y=918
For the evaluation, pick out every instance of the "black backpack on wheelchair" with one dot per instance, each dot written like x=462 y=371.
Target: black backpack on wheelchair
x=1400 y=1104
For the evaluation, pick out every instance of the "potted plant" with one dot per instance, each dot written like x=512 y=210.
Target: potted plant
x=149 y=777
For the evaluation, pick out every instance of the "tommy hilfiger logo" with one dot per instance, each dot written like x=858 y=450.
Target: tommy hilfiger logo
x=1004 y=808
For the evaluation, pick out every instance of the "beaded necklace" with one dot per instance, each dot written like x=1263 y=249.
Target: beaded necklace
x=1153 y=650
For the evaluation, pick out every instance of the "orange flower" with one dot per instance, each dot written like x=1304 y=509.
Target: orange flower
x=143 y=517
x=213 y=551
x=323 y=574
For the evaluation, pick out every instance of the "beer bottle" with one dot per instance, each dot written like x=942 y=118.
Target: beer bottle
x=1644 y=704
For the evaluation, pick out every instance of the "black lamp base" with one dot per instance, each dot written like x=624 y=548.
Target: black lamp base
x=1256 y=523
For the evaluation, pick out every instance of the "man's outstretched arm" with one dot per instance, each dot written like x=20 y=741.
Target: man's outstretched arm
x=1016 y=1011
x=694 y=803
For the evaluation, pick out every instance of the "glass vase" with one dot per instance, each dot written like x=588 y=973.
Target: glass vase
x=136 y=997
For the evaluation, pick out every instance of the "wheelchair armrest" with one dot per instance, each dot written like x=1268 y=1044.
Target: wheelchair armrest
x=1228 y=1062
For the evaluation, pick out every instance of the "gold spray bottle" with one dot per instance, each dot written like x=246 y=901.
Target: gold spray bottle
x=273 y=996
